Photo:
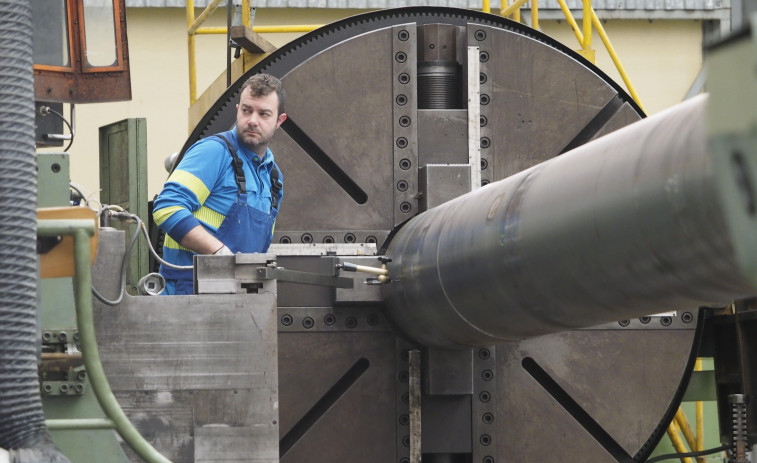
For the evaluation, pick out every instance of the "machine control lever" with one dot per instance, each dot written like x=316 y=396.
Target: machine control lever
x=381 y=272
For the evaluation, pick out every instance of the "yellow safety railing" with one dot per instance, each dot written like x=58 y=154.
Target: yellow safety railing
x=590 y=20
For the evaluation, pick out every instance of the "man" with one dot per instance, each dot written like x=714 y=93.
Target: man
x=210 y=206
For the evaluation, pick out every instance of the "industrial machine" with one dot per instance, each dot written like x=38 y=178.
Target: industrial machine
x=476 y=233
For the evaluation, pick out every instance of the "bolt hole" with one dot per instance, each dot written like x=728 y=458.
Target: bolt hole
x=285 y=240
x=483 y=121
x=482 y=78
x=405 y=164
x=401 y=100
x=406 y=207
x=485 y=142
x=402 y=142
x=308 y=323
x=488 y=459
x=624 y=322
x=485 y=99
x=403 y=376
x=666 y=321
x=484 y=354
x=404 y=419
x=405 y=398
x=402 y=185
x=480 y=35
x=404 y=78
x=286 y=320
x=55 y=168
x=329 y=319
x=351 y=322
x=349 y=238
x=373 y=319
x=487 y=375
x=645 y=320
x=484 y=396
x=48 y=388
x=687 y=317
x=328 y=239
x=406 y=441
x=306 y=238
x=485 y=439
x=400 y=57
x=403 y=35
x=371 y=239
x=484 y=182
x=404 y=121
x=484 y=164
x=487 y=418
x=483 y=56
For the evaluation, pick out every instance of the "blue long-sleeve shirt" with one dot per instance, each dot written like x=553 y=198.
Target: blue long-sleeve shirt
x=201 y=190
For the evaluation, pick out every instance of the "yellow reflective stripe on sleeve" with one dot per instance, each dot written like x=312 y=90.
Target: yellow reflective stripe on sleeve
x=172 y=244
x=161 y=215
x=188 y=180
x=209 y=217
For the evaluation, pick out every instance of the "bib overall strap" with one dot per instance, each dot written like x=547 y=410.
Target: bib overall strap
x=236 y=164
x=276 y=187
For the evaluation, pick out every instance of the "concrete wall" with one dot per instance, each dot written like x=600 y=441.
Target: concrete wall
x=662 y=59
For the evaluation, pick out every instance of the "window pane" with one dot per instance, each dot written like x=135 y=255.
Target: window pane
x=50 y=33
x=100 y=30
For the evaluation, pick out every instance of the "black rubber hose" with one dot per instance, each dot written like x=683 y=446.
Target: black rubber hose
x=22 y=422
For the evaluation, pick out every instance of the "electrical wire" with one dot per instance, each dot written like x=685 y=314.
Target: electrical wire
x=81 y=193
x=701 y=453
x=70 y=129
x=155 y=254
x=124 y=261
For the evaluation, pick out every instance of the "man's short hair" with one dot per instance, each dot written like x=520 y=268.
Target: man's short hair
x=263 y=85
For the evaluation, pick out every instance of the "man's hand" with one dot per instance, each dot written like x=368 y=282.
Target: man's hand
x=200 y=241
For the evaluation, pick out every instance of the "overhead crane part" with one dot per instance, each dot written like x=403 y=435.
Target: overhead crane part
x=631 y=224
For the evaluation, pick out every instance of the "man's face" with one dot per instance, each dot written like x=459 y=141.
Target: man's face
x=257 y=120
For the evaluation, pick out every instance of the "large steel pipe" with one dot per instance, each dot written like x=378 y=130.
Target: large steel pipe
x=634 y=223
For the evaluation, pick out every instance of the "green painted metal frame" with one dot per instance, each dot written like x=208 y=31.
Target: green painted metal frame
x=82 y=230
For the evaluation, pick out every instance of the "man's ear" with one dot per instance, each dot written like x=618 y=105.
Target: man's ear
x=282 y=118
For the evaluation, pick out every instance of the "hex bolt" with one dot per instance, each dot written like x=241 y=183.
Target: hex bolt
x=484 y=353
x=687 y=317
x=285 y=240
x=402 y=142
x=349 y=238
x=400 y=57
x=485 y=99
x=404 y=121
x=306 y=238
x=351 y=322
x=645 y=320
x=487 y=418
x=403 y=78
x=624 y=323
x=401 y=100
x=480 y=35
x=48 y=388
x=405 y=164
x=403 y=35
x=484 y=396
x=328 y=239
x=483 y=56
x=485 y=439
x=47 y=336
x=485 y=142
x=371 y=240
x=666 y=321
x=63 y=388
x=405 y=207
x=286 y=320
x=487 y=375
x=81 y=375
x=308 y=323
x=62 y=336
x=79 y=388
x=329 y=319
